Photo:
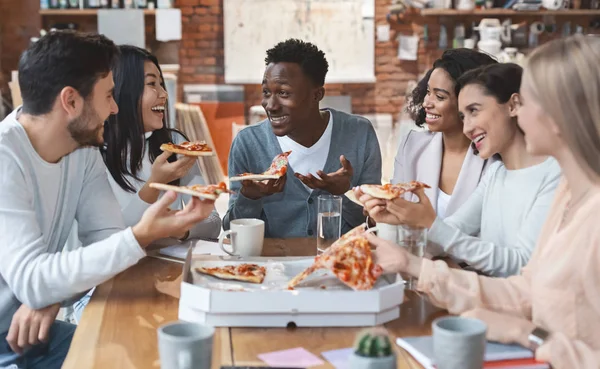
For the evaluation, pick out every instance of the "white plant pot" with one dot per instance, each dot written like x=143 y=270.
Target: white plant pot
x=361 y=362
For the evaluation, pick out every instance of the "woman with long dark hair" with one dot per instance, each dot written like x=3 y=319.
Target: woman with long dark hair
x=132 y=142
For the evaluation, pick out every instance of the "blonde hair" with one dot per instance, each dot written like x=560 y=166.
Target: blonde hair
x=564 y=76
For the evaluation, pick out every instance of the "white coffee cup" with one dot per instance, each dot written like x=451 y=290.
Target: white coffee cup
x=247 y=237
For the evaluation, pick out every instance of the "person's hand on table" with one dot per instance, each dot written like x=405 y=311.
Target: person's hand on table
x=393 y=258
x=30 y=327
x=414 y=214
x=336 y=183
x=159 y=221
x=258 y=189
x=376 y=208
x=503 y=328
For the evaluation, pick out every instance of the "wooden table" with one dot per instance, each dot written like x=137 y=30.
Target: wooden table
x=118 y=327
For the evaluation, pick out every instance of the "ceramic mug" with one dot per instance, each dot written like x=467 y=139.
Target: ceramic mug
x=184 y=345
x=247 y=236
x=458 y=343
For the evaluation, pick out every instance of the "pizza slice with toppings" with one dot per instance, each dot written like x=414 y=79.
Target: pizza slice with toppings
x=251 y=273
x=349 y=259
x=210 y=192
x=197 y=148
x=277 y=170
x=391 y=191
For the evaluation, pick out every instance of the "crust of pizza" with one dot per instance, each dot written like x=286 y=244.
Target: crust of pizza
x=254 y=177
x=170 y=147
x=275 y=171
x=250 y=273
x=349 y=259
x=194 y=190
x=389 y=191
x=352 y=197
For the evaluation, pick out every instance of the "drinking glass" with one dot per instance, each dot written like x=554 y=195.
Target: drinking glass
x=329 y=221
x=415 y=241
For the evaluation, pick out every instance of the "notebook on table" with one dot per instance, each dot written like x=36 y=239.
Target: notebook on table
x=497 y=355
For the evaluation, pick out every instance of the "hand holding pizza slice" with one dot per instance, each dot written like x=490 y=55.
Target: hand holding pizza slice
x=383 y=192
x=391 y=191
x=277 y=170
x=349 y=259
x=385 y=204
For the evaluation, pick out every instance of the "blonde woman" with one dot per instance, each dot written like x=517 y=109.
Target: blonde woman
x=553 y=306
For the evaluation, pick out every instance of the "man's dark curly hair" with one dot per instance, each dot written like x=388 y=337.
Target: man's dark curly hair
x=308 y=56
x=455 y=62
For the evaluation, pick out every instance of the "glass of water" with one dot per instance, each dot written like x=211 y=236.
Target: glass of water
x=329 y=221
x=415 y=241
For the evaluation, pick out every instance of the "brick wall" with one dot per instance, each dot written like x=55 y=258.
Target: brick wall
x=201 y=49
x=201 y=53
x=18 y=23
x=201 y=58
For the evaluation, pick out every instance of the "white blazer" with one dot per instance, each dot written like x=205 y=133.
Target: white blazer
x=419 y=158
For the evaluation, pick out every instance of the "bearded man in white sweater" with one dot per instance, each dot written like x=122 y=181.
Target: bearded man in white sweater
x=51 y=175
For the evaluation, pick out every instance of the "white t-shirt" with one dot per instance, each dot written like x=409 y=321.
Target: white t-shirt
x=442 y=203
x=306 y=160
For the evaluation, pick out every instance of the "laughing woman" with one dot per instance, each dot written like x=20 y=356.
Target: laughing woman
x=132 y=143
x=496 y=229
x=441 y=156
x=553 y=306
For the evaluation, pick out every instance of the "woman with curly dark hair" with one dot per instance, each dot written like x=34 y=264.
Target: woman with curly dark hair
x=441 y=156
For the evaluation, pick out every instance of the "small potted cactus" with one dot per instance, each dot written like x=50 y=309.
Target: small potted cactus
x=373 y=350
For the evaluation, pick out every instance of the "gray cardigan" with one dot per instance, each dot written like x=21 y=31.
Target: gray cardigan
x=293 y=212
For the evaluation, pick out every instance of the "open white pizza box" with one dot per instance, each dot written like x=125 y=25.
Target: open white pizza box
x=320 y=300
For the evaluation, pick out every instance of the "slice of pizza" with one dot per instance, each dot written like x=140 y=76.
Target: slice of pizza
x=350 y=260
x=277 y=170
x=391 y=191
x=210 y=192
x=251 y=273
x=198 y=148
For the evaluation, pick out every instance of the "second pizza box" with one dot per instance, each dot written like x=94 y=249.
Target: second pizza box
x=321 y=300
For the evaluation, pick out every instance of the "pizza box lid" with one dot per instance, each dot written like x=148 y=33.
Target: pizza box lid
x=321 y=292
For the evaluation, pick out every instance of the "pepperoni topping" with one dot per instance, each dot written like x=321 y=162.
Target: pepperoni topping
x=193 y=146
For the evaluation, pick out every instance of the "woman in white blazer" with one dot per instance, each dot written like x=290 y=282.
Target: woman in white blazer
x=441 y=156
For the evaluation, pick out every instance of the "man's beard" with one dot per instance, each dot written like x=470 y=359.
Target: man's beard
x=78 y=128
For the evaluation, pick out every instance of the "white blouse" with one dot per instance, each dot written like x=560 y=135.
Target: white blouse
x=442 y=203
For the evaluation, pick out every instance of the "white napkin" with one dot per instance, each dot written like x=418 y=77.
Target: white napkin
x=201 y=247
